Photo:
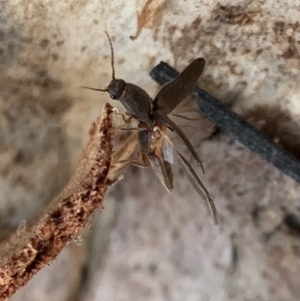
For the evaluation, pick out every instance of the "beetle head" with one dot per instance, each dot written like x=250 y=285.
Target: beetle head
x=116 y=88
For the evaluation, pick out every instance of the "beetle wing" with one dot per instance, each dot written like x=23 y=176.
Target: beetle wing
x=177 y=90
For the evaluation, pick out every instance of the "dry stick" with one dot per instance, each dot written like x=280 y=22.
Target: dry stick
x=68 y=214
x=235 y=126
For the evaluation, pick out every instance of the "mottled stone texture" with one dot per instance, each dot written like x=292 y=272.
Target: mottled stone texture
x=148 y=244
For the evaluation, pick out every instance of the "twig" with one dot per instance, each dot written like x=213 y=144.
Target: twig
x=235 y=126
x=69 y=213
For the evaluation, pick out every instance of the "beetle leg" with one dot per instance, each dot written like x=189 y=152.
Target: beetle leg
x=126 y=120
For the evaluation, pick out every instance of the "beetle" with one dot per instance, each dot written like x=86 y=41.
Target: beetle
x=152 y=114
x=147 y=111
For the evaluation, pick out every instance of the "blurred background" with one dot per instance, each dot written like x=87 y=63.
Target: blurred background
x=149 y=244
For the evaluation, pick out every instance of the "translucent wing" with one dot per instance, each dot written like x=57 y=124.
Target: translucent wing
x=166 y=121
x=161 y=157
x=168 y=151
x=162 y=169
x=177 y=90
x=187 y=116
x=122 y=157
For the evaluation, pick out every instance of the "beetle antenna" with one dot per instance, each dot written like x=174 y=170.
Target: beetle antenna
x=94 y=89
x=111 y=54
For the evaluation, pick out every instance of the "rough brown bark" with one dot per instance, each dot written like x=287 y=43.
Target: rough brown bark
x=32 y=249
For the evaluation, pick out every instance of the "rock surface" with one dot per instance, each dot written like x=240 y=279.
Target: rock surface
x=149 y=244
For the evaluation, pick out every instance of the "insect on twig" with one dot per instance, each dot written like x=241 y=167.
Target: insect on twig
x=155 y=147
